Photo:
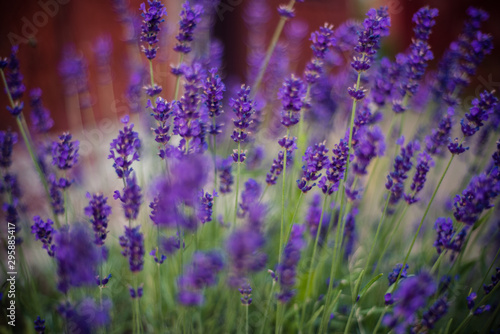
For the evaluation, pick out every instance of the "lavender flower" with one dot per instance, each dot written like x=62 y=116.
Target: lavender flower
x=249 y=197
x=15 y=84
x=76 y=261
x=495 y=278
x=161 y=113
x=125 y=149
x=187 y=122
x=7 y=141
x=212 y=98
x=153 y=16
x=434 y=313
x=471 y=300
x=402 y=165
x=246 y=294
x=440 y=137
x=278 y=164
x=322 y=40
x=65 y=152
x=476 y=198
x=200 y=274
x=393 y=275
x=44 y=232
x=336 y=168
x=206 y=202
x=292 y=95
x=40 y=116
x=315 y=159
x=350 y=235
x=424 y=164
x=171 y=244
x=132 y=244
x=371 y=144
x=39 y=325
x=287 y=269
x=157 y=260
x=56 y=195
x=131 y=197
x=98 y=211
x=375 y=26
x=243 y=107
x=447 y=237
x=190 y=17
x=479 y=112
x=224 y=166
x=411 y=296
x=313 y=217
x=245 y=256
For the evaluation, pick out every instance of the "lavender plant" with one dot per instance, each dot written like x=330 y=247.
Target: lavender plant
x=227 y=250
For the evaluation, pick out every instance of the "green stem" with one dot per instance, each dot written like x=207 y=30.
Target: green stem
x=301 y=140
x=318 y=232
x=423 y=218
x=267 y=307
x=376 y=236
x=380 y=320
x=237 y=187
x=283 y=200
x=387 y=244
x=270 y=50
x=348 y=325
x=246 y=319
x=178 y=79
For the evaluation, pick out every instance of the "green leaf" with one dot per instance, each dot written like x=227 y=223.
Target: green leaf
x=315 y=315
x=369 y=284
x=356 y=287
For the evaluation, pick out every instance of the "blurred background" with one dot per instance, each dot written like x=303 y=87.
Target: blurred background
x=100 y=38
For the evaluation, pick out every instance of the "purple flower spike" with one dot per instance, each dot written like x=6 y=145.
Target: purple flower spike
x=40 y=116
x=76 y=261
x=315 y=159
x=495 y=278
x=447 y=237
x=190 y=17
x=393 y=275
x=98 y=211
x=200 y=274
x=369 y=145
x=471 y=300
x=44 y=232
x=7 y=141
x=206 y=202
x=410 y=297
x=292 y=95
x=322 y=40
x=244 y=108
x=39 y=325
x=480 y=111
x=125 y=149
x=424 y=164
x=278 y=164
x=212 y=98
x=153 y=16
x=161 y=113
x=434 y=313
x=336 y=168
x=132 y=244
x=225 y=166
x=287 y=269
x=246 y=294
x=249 y=197
x=157 y=260
x=440 y=137
x=65 y=152
x=131 y=197
x=15 y=84
x=375 y=26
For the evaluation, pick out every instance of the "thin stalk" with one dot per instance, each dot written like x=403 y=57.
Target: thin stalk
x=387 y=244
x=246 y=319
x=318 y=232
x=380 y=320
x=267 y=307
x=301 y=136
x=376 y=236
x=237 y=187
x=423 y=218
x=214 y=157
x=486 y=274
x=270 y=50
x=178 y=79
x=348 y=325
x=283 y=199
x=287 y=236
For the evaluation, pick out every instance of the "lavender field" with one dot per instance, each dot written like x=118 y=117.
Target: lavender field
x=356 y=194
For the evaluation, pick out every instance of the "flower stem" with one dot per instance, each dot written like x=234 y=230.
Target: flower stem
x=380 y=320
x=267 y=307
x=246 y=319
x=387 y=244
x=283 y=199
x=270 y=50
x=178 y=79
x=423 y=218
x=237 y=187
x=309 y=276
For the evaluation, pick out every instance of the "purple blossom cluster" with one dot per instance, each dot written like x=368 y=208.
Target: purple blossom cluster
x=152 y=17
x=130 y=197
x=40 y=116
x=124 y=149
x=439 y=137
x=322 y=40
x=161 y=113
x=315 y=159
x=313 y=217
x=206 y=202
x=424 y=164
x=244 y=108
x=292 y=95
x=14 y=80
x=370 y=144
x=393 y=275
x=213 y=93
x=287 y=268
x=448 y=238
x=278 y=164
x=132 y=243
x=479 y=112
x=335 y=169
x=200 y=274
x=7 y=141
x=226 y=180
x=190 y=17
x=98 y=211
x=44 y=232
x=65 y=152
